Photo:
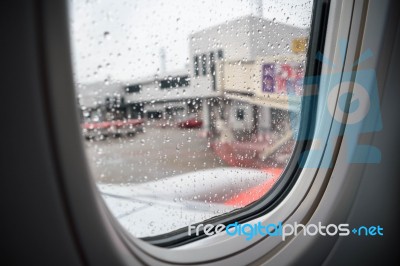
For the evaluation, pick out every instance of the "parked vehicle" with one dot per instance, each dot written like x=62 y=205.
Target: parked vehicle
x=103 y=129
x=192 y=122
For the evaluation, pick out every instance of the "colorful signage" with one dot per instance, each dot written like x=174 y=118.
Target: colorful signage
x=268 y=78
x=283 y=78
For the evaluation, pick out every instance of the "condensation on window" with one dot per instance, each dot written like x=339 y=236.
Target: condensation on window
x=188 y=109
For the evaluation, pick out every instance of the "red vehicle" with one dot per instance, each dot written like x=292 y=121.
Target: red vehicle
x=112 y=128
x=193 y=122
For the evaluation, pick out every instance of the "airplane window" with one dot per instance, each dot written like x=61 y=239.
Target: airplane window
x=188 y=108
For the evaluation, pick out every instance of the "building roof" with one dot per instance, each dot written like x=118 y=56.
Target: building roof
x=246 y=38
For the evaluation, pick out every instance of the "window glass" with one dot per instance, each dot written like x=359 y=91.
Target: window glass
x=186 y=106
x=240 y=114
x=220 y=54
x=196 y=66
x=174 y=82
x=204 y=64
x=133 y=88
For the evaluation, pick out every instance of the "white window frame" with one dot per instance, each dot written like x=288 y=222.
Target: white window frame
x=93 y=223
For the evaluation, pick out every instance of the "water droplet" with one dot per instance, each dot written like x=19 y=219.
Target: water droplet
x=107 y=35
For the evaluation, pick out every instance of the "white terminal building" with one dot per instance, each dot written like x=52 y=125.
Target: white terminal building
x=227 y=63
x=226 y=79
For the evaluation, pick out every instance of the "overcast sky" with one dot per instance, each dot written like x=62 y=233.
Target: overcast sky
x=121 y=40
